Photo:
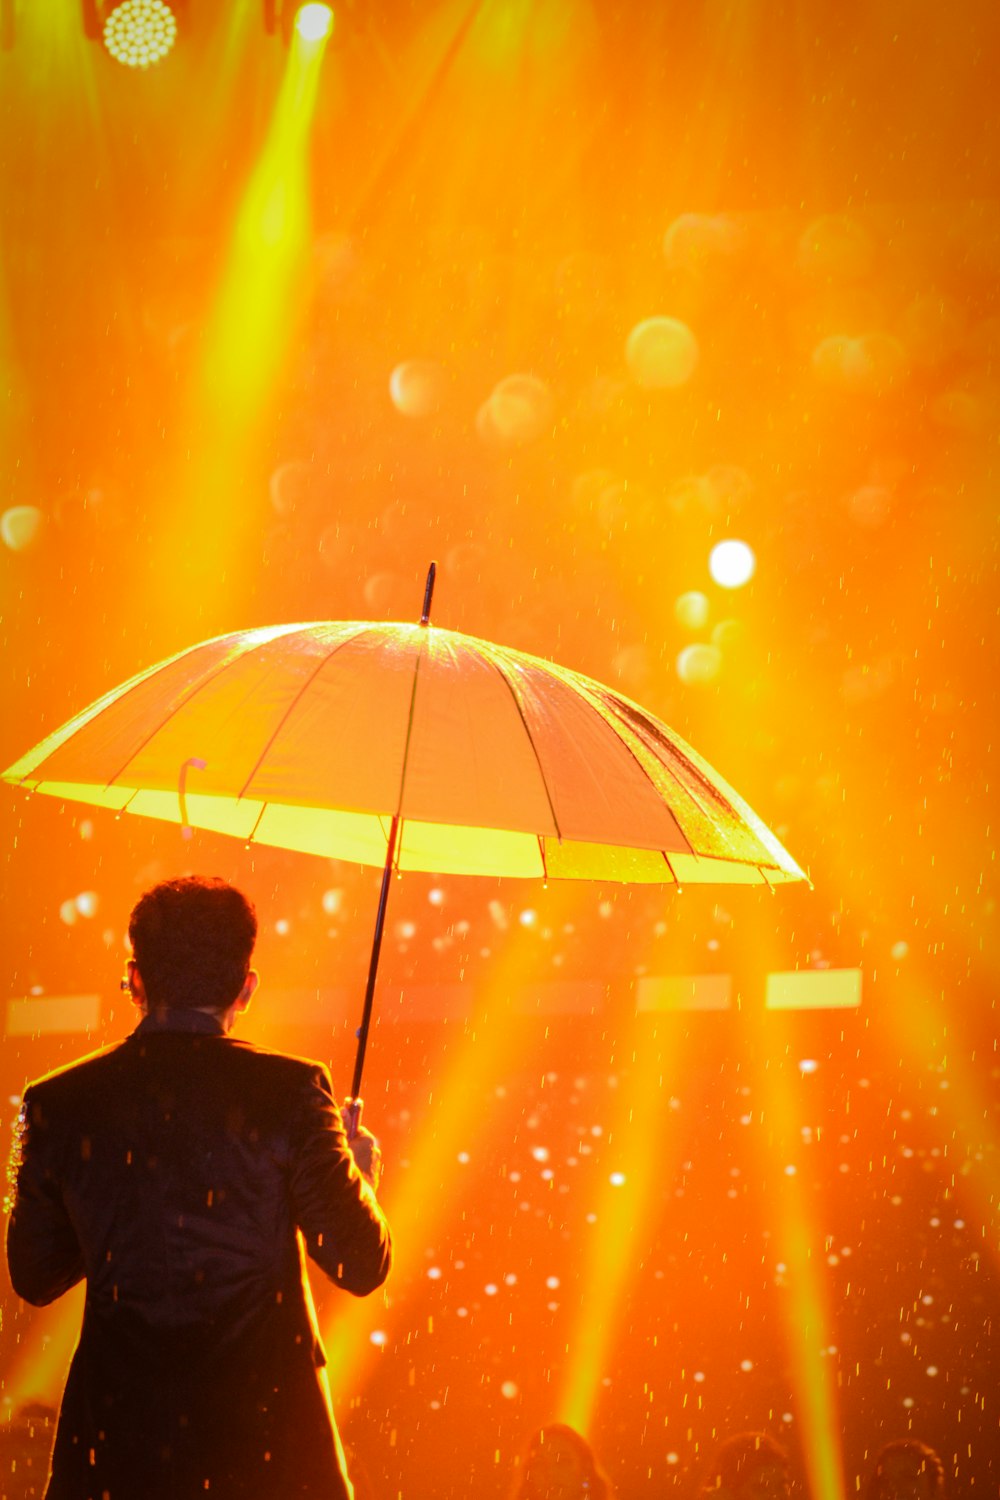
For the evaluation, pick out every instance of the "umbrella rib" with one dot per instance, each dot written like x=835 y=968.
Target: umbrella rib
x=210 y=678
x=612 y=706
x=409 y=726
x=496 y=664
x=306 y=685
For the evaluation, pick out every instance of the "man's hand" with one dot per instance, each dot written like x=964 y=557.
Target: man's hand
x=364 y=1146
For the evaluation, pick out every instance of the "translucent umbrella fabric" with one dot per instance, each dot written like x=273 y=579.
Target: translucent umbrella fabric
x=315 y=736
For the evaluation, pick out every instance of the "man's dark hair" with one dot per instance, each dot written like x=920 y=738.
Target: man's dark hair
x=193 y=939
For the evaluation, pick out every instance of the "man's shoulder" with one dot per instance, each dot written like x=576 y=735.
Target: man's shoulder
x=97 y=1069
x=81 y=1070
x=267 y=1059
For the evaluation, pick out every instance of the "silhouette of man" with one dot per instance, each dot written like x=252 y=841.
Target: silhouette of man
x=181 y=1172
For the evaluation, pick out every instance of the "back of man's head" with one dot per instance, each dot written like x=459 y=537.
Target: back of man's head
x=192 y=939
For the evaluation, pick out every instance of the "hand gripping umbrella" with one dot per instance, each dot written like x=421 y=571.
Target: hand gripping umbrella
x=413 y=748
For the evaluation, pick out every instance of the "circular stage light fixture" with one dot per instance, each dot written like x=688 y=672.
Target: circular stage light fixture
x=314 y=21
x=139 y=33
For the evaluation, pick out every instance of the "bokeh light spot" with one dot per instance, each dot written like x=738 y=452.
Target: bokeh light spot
x=691 y=610
x=661 y=353
x=20 y=527
x=699 y=663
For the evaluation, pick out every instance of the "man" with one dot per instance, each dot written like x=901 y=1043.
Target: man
x=180 y=1173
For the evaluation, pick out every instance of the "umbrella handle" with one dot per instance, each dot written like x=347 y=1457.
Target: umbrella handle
x=366 y=1014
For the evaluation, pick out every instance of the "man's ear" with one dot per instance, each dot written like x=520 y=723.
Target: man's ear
x=136 y=988
x=246 y=993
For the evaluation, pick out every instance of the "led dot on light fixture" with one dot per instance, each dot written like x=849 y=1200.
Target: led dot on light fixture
x=139 y=33
x=314 y=22
x=732 y=563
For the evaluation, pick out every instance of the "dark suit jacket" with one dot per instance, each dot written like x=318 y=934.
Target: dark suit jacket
x=173 y=1172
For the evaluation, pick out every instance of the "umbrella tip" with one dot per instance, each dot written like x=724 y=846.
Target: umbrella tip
x=428 y=594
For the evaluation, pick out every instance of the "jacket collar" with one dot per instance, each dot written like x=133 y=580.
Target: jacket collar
x=175 y=1019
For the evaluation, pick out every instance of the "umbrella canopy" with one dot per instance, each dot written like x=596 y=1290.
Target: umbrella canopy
x=445 y=753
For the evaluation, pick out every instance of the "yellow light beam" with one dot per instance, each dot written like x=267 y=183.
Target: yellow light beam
x=422 y=1202
x=801 y=1244
x=45 y=1350
x=634 y=1173
x=252 y=328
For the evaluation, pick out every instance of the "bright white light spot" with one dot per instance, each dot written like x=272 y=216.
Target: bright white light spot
x=528 y=918
x=314 y=22
x=282 y=926
x=746 y=1364
x=547 y=1175
x=732 y=564
x=405 y=930
x=617 y=1179
x=436 y=896
x=434 y=1272
x=673 y=1458
x=509 y=1390
x=791 y=1170
x=378 y=1337
x=463 y=1157
x=540 y=1153
x=552 y=1282
x=333 y=900
x=86 y=903
x=699 y=1376
x=808 y=1065
x=491 y=1289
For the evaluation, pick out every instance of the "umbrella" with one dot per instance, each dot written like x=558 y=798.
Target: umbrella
x=413 y=748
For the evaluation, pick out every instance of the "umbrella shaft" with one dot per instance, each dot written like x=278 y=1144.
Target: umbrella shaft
x=366 y=1015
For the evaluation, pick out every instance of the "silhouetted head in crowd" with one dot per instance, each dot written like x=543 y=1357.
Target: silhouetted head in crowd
x=906 y=1470
x=192 y=940
x=749 y=1466
x=559 y=1464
